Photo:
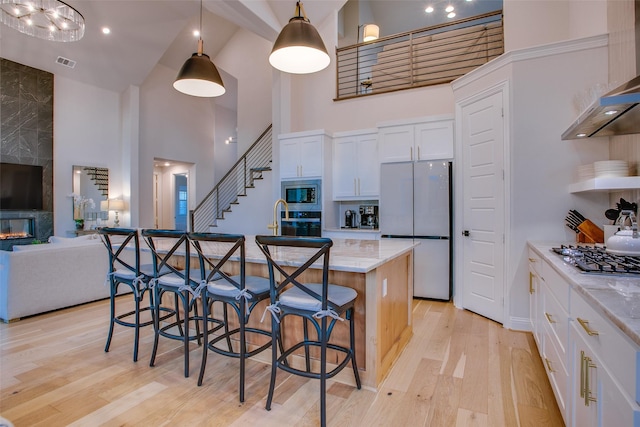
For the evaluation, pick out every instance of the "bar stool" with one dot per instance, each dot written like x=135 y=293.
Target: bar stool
x=183 y=284
x=123 y=245
x=315 y=303
x=240 y=292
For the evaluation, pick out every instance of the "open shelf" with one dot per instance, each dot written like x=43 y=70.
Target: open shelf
x=606 y=184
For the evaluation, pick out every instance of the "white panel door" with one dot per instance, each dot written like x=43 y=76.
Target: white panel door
x=483 y=210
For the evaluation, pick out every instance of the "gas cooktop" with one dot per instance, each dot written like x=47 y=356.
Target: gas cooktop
x=596 y=260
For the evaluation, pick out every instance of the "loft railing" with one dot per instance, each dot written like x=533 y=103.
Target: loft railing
x=429 y=56
x=234 y=184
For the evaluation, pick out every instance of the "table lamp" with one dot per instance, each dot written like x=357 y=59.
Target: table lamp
x=116 y=205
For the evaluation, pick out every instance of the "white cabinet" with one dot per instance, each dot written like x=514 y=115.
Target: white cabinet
x=592 y=366
x=301 y=155
x=429 y=140
x=356 y=171
x=599 y=399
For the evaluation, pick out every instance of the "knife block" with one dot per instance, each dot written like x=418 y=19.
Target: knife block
x=590 y=233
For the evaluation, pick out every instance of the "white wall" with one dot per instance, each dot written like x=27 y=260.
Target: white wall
x=246 y=57
x=530 y=23
x=225 y=155
x=173 y=126
x=86 y=132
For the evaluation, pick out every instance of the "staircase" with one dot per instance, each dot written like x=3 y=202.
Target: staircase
x=233 y=186
x=100 y=177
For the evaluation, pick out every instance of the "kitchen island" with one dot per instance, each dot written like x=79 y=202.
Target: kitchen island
x=381 y=271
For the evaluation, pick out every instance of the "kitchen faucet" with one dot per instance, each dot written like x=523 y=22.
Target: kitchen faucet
x=274 y=226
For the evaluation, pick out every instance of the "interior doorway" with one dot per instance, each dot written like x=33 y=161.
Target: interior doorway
x=181 y=198
x=174 y=193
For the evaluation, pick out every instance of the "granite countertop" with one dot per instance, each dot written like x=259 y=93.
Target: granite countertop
x=618 y=298
x=352 y=255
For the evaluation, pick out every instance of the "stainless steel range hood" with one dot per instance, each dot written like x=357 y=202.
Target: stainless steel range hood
x=615 y=113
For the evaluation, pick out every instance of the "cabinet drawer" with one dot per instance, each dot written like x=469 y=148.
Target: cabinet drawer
x=613 y=348
x=535 y=263
x=555 y=365
x=556 y=321
x=557 y=285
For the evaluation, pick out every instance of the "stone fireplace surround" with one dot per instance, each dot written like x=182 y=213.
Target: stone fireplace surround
x=26 y=137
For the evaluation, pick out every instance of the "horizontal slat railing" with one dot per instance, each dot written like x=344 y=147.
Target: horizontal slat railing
x=234 y=184
x=429 y=56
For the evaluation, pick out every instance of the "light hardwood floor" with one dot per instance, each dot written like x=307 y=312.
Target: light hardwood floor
x=459 y=369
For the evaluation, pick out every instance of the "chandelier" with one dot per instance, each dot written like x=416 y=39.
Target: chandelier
x=46 y=19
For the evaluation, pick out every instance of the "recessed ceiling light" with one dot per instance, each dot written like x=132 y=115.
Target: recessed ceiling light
x=451 y=15
x=167 y=164
x=196 y=33
x=429 y=9
x=106 y=30
x=611 y=112
x=449 y=9
x=581 y=135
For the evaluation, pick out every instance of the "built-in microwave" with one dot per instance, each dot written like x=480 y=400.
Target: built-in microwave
x=303 y=195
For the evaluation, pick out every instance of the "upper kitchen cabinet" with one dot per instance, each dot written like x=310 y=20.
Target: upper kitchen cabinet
x=424 y=139
x=302 y=154
x=356 y=172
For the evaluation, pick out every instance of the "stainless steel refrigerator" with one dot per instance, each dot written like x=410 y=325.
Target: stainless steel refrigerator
x=415 y=203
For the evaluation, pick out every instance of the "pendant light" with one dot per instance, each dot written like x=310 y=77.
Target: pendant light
x=199 y=76
x=299 y=48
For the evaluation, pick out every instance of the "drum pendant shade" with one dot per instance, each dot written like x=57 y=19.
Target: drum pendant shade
x=199 y=77
x=299 y=49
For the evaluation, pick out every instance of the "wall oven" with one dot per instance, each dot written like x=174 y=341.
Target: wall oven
x=304 y=198
x=302 y=223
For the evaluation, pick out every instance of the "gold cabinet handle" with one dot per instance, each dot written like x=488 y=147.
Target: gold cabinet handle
x=418 y=152
x=549 y=318
x=411 y=152
x=549 y=368
x=582 y=373
x=532 y=260
x=585 y=326
x=588 y=396
x=531 y=290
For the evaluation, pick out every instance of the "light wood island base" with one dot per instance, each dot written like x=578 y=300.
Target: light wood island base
x=382 y=313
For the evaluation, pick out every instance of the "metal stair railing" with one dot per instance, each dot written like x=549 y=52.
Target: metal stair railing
x=234 y=184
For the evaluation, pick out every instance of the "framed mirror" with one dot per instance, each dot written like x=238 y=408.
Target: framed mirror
x=90 y=188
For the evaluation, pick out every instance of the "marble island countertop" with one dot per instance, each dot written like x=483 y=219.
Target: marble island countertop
x=352 y=255
x=617 y=297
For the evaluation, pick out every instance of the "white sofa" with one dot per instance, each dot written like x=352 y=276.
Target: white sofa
x=39 y=278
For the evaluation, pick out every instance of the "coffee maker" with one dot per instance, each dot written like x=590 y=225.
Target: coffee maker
x=350 y=219
x=368 y=216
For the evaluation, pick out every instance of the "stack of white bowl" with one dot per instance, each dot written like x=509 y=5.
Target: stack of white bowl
x=611 y=168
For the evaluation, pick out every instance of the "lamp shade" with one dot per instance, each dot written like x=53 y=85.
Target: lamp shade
x=116 y=205
x=370 y=32
x=299 y=49
x=199 y=77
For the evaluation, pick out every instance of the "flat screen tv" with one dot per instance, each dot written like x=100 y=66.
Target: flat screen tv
x=20 y=187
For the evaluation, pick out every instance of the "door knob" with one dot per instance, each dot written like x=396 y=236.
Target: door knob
x=465 y=233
